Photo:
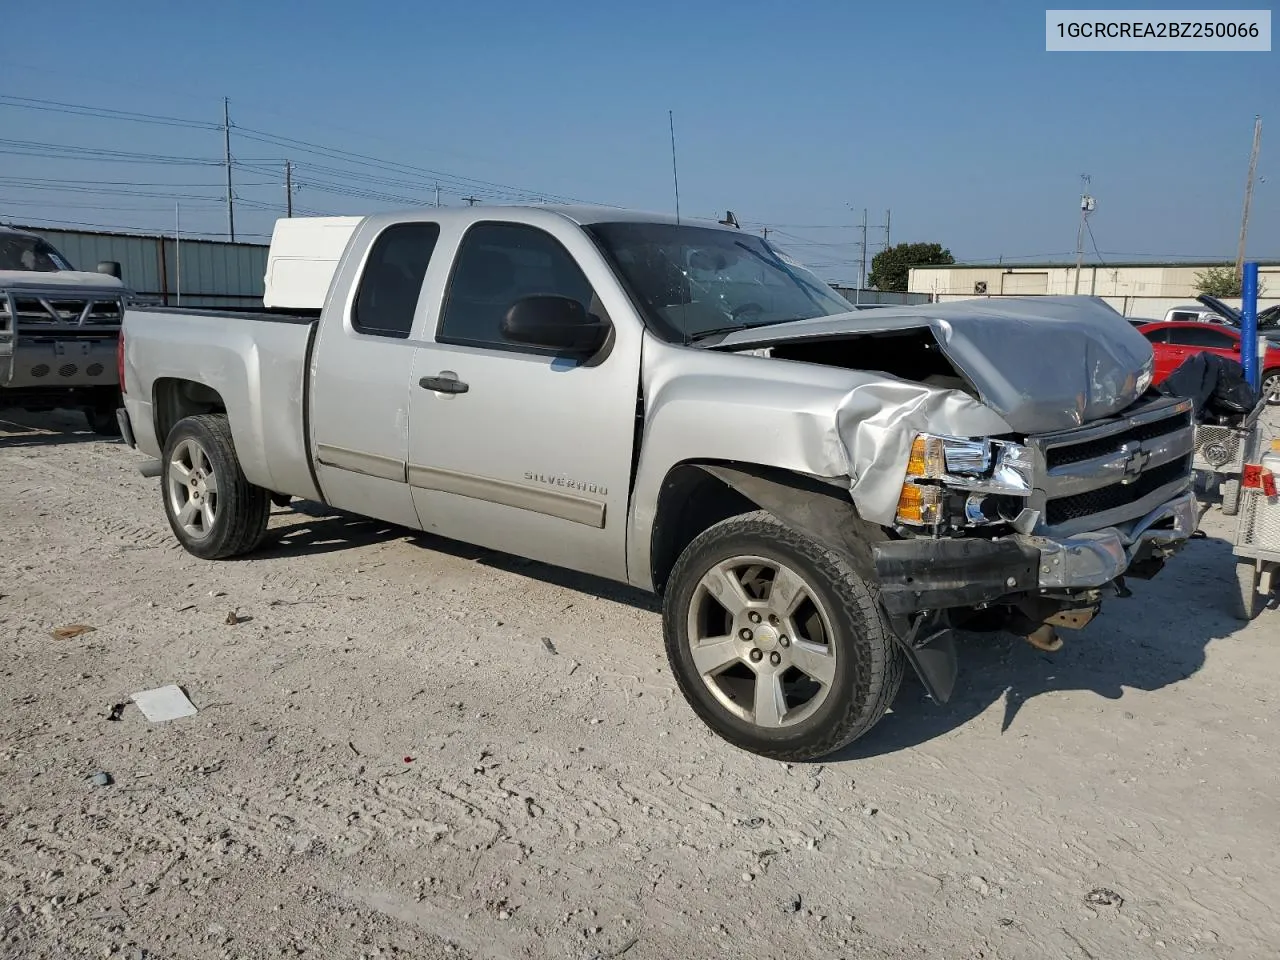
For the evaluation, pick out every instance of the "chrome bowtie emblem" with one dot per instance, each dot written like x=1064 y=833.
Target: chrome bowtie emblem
x=1135 y=461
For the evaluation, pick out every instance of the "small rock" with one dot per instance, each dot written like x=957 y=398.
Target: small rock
x=977 y=884
x=748 y=877
x=595 y=720
x=793 y=905
x=870 y=811
x=504 y=914
x=1104 y=897
x=102 y=779
x=551 y=647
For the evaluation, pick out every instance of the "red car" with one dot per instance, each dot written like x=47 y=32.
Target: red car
x=1172 y=343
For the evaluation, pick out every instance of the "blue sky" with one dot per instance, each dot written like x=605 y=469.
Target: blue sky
x=952 y=115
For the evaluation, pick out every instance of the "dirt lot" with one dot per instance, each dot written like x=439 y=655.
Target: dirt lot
x=390 y=760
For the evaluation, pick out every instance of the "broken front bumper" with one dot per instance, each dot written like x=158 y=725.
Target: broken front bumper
x=941 y=574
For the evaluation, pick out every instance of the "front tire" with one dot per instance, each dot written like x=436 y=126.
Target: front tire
x=775 y=642
x=213 y=510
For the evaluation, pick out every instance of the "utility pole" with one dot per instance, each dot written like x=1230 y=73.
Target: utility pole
x=177 y=246
x=226 y=142
x=887 y=215
x=471 y=201
x=764 y=232
x=1248 y=193
x=288 y=188
x=437 y=194
x=1086 y=207
x=862 y=272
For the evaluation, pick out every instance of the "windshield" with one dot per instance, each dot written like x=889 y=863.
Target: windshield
x=693 y=281
x=21 y=252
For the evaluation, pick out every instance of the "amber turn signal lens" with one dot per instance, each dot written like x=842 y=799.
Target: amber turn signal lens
x=926 y=457
x=919 y=505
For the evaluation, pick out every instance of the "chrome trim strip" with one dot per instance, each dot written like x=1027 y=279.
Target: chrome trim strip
x=1116 y=516
x=552 y=503
x=1157 y=410
x=1086 y=475
x=357 y=461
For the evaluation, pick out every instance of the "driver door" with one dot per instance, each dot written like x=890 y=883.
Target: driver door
x=510 y=446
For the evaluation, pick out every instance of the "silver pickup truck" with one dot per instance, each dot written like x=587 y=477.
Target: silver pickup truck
x=818 y=495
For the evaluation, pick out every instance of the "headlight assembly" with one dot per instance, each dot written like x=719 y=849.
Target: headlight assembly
x=938 y=464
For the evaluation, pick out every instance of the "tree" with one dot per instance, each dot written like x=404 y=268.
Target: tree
x=1218 y=282
x=891 y=268
x=1222 y=282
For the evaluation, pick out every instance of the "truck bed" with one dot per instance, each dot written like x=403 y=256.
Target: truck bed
x=252 y=365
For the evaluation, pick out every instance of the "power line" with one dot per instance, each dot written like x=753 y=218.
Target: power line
x=1089 y=227
x=104 y=113
x=40 y=148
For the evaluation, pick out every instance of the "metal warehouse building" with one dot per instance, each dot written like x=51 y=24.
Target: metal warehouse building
x=190 y=273
x=1135 y=289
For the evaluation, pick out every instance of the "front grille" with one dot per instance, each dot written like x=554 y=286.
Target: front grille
x=59 y=310
x=1075 y=453
x=1066 y=509
x=1080 y=475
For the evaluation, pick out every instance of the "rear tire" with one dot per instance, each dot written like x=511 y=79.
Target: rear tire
x=1269 y=386
x=1230 y=490
x=213 y=510
x=831 y=638
x=1248 y=603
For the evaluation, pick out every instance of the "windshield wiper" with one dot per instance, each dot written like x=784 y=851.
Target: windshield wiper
x=734 y=328
x=711 y=332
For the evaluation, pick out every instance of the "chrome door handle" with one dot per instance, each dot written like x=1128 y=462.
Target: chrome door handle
x=443 y=384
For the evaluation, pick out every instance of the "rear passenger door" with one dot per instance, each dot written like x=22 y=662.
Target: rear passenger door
x=526 y=452
x=1204 y=338
x=361 y=365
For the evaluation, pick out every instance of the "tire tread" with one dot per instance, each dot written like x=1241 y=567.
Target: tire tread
x=247 y=506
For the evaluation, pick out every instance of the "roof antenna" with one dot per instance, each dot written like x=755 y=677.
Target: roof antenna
x=675 y=177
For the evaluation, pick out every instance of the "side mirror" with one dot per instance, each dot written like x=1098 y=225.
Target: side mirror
x=557 y=323
x=110 y=267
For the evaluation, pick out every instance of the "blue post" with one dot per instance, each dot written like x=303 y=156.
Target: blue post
x=1249 y=323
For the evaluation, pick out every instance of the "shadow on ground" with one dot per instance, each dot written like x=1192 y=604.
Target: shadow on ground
x=1155 y=638
x=19 y=428
x=325 y=530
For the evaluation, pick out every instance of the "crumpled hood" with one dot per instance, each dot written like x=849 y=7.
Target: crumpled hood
x=1042 y=363
x=69 y=278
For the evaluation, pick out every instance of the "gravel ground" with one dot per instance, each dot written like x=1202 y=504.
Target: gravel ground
x=410 y=748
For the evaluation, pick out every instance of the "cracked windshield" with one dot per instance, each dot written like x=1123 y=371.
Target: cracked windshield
x=694 y=282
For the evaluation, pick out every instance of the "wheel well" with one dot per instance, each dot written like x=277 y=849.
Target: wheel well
x=176 y=399
x=696 y=496
x=691 y=501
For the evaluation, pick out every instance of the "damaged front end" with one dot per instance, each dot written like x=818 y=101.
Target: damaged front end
x=1015 y=488
x=1030 y=535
